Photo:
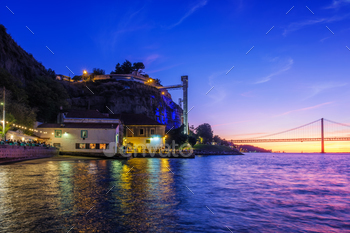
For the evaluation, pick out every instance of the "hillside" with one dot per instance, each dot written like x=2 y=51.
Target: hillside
x=16 y=60
x=31 y=93
x=31 y=87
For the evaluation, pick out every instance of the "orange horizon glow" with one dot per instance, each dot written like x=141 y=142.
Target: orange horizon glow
x=303 y=147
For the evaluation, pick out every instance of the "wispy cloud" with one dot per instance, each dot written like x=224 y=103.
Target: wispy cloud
x=337 y=3
x=284 y=69
x=151 y=58
x=305 y=109
x=230 y=123
x=321 y=87
x=299 y=25
x=163 y=68
x=190 y=12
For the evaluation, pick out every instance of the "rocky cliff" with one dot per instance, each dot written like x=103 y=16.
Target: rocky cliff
x=124 y=97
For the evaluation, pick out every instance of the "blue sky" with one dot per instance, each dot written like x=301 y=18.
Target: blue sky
x=296 y=73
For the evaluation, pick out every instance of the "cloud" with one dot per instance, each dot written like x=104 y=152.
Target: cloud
x=299 y=25
x=190 y=12
x=284 y=69
x=151 y=58
x=337 y=3
x=305 y=109
x=164 y=68
x=318 y=88
x=230 y=123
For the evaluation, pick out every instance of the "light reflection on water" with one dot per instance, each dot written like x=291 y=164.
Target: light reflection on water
x=251 y=193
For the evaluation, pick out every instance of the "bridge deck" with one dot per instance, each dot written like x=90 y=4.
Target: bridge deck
x=291 y=140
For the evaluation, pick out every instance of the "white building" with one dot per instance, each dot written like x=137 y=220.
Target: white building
x=90 y=132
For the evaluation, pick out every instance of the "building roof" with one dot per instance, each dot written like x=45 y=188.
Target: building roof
x=80 y=125
x=135 y=119
x=127 y=119
x=78 y=113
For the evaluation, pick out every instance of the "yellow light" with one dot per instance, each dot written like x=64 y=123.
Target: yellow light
x=163 y=93
x=85 y=72
x=150 y=80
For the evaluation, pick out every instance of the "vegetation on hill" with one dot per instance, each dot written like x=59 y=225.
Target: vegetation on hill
x=31 y=91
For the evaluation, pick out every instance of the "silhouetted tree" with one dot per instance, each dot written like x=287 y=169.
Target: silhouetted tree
x=97 y=71
x=138 y=66
x=51 y=73
x=204 y=131
x=127 y=67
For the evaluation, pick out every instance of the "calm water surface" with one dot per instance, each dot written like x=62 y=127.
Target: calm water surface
x=250 y=193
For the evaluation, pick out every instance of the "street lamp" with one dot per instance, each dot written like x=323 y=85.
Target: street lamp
x=84 y=72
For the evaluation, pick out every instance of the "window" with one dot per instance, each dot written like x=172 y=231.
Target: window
x=82 y=146
x=58 y=133
x=92 y=146
x=148 y=141
x=152 y=131
x=141 y=131
x=84 y=134
x=103 y=146
x=57 y=144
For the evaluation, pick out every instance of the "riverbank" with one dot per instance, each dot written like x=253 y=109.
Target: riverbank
x=201 y=149
x=11 y=153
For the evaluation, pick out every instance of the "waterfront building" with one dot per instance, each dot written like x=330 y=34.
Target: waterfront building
x=140 y=132
x=89 y=131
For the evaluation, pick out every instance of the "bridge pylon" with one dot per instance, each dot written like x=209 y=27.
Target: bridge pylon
x=322 y=136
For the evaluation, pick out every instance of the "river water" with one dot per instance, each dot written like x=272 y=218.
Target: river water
x=249 y=193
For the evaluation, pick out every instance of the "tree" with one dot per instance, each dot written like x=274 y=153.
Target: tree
x=8 y=125
x=138 y=66
x=157 y=81
x=128 y=68
x=97 y=71
x=51 y=73
x=204 y=131
x=217 y=139
x=47 y=96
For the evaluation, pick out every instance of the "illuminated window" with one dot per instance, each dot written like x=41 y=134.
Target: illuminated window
x=152 y=131
x=92 y=146
x=56 y=144
x=58 y=133
x=148 y=141
x=103 y=146
x=84 y=134
x=82 y=146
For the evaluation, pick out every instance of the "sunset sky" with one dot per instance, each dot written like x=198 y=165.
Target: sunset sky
x=296 y=73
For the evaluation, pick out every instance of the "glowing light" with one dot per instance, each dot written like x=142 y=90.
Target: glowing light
x=85 y=72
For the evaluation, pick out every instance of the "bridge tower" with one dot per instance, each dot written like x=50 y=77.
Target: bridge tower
x=184 y=80
x=322 y=136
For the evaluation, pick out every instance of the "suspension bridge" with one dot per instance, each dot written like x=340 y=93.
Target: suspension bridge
x=320 y=130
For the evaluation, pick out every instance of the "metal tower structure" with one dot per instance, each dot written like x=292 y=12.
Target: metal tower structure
x=184 y=101
x=184 y=80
